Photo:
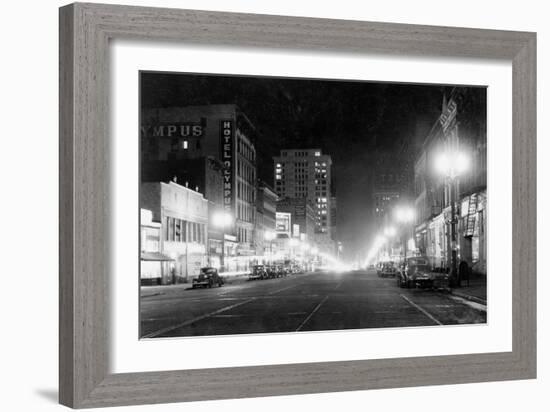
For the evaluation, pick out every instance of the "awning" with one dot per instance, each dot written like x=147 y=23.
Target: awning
x=155 y=256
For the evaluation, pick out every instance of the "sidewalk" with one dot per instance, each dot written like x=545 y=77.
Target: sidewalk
x=156 y=290
x=476 y=291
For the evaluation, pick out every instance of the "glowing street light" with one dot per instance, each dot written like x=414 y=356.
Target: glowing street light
x=452 y=165
x=404 y=214
x=222 y=220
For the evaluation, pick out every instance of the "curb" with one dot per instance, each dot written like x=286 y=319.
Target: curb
x=470 y=297
x=463 y=295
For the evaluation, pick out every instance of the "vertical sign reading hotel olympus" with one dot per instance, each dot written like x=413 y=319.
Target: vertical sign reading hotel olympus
x=226 y=143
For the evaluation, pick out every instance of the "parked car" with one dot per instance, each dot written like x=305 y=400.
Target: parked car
x=281 y=271
x=258 y=272
x=415 y=271
x=208 y=277
x=388 y=269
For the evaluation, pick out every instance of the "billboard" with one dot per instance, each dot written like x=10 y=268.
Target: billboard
x=282 y=223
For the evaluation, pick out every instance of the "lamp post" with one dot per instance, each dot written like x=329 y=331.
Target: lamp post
x=222 y=220
x=404 y=215
x=451 y=164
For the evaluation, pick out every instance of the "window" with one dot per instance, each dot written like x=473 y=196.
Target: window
x=177 y=235
x=185 y=144
x=169 y=229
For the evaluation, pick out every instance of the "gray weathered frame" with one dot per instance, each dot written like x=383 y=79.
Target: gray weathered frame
x=85 y=31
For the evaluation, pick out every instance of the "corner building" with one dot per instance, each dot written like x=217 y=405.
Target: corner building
x=222 y=132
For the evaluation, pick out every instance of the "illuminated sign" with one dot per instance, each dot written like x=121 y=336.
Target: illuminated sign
x=282 y=223
x=176 y=129
x=226 y=144
x=448 y=115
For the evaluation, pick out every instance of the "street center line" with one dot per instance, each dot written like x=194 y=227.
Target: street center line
x=189 y=322
x=421 y=310
x=312 y=313
x=281 y=289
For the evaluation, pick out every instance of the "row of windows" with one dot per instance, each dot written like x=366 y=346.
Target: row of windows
x=179 y=230
x=246 y=150
x=245 y=171
x=245 y=212
x=243 y=235
x=245 y=192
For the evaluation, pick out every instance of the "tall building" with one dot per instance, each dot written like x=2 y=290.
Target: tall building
x=176 y=135
x=306 y=173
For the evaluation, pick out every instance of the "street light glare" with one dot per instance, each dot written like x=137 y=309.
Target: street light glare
x=222 y=219
x=461 y=163
x=390 y=231
x=452 y=165
x=404 y=214
x=442 y=164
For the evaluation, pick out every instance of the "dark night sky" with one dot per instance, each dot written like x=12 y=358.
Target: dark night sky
x=352 y=121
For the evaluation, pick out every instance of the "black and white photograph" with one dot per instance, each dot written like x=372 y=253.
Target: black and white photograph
x=289 y=205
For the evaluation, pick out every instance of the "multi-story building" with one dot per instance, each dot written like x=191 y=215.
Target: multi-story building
x=461 y=125
x=266 y=208
x=306 y=173
x=204 y=175
x=183 y=217
x=219 y=132
x=302 y=214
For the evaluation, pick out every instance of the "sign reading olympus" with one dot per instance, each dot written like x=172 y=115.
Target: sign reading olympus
x=226 y=144
x=179 y=129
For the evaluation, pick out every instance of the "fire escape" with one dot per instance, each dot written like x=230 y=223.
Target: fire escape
x=471 y=217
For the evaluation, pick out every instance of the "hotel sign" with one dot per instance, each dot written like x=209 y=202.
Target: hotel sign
x=226 y=144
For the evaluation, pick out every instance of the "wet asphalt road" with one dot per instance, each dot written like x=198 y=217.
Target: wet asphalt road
x=307 y=302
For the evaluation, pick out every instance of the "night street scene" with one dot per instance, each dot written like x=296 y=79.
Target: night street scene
x=272 y=204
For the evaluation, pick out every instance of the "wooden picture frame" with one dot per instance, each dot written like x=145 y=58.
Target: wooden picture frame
x=85 y=31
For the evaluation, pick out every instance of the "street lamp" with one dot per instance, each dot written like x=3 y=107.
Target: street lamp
x=404 y=215
x=451 y=165
x=222 y=220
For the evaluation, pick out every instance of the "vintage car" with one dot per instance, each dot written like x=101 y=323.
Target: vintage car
x=258 y=272
x=208 y=277
x=388 y=269
x=415 y=271
x=271 y=271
